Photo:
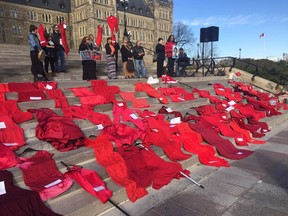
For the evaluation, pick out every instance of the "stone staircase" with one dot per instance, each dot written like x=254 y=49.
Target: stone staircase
x=76 y=201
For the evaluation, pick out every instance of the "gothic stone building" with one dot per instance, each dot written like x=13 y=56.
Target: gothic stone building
x=147 y=20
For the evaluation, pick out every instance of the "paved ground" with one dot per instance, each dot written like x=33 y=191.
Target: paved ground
x=257 y=185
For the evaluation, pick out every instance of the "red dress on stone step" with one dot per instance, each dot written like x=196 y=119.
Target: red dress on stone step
x=7 y=157
x=42 y=175
x=18 y=201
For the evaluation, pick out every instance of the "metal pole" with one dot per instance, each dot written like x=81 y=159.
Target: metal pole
x=189 y=178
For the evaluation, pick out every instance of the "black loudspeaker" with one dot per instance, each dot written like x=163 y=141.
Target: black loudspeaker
x=213 y=33
x=204 y=35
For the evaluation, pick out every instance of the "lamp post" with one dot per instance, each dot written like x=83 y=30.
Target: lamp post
x=198 y=45
x=239 y=53
x=124 y=4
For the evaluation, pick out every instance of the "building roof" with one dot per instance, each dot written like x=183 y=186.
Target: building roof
x=138 y=7
x=56 y=5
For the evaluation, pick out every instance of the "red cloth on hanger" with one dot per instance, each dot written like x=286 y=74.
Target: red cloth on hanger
x=90 y=181
x=18 y=201
x=11 y=109
x=146 y=168
x=113 y=24
x=115 y=167
x=12 y=135
x=223 y=146
x=42 y=175
x=60 y=131
x=41 y=33
x=98 y=40
x=64 y=38
x=7 y=157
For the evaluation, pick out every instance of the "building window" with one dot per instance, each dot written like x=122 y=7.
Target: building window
x=19 y=30
x=62 y=5
x=1 y=11
x=14 y=31
x=34 y=16
x=45 y=2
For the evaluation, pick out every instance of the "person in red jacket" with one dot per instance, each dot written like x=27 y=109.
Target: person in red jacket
x=168 y=50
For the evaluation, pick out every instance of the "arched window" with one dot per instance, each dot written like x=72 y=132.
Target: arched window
x=1 y=11
x=34 y=16
x=19 y=30
x=14 y=30
x=19 y=13
x=11 y=12
x=49 y=18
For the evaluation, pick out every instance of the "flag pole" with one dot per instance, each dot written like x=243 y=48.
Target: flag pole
x=264 y=46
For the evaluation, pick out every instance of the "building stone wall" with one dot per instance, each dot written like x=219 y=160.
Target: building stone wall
x=84 y=17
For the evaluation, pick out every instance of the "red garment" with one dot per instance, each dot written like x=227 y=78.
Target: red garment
x=166 y=110
x=81 y=113
x=115 y=167
x=98 y=40
x=82 y=92
x=46 y=85
x=60 y=131
x=90 y=181
x=4 y=87
x=91 y=101
x=2 y=97
x=59 y=98
x=192 y=142
x=98 y=83
x=146 y=168
x=223 y=146
x=168 y=48
x=121 y=134
x=41 y=33
x=140 y=103
x=127 y=96
x=113 y=24
x=18 y=201
x=31 y=95
x=12 y=135
x=150 y=91
x=42 y=175
x=19 y=87
x=7 y=157
x=64 y=38
x=11 y=109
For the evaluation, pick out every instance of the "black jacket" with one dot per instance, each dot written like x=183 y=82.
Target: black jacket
x=160 y=51
x=56 y=37
x=126 y=53
x=136 y=50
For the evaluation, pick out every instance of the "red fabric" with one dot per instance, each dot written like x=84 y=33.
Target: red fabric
x=113 y=24
x=146 y=168
x=4 y=87
x=90 y=181
x=127 y=96
x=223 y=146
x=121 y=134
x=7 y=157
x=64 y=38
x=60 y=131
x=165 y=110
x=98 y=83
x=41 y=33
x=93 y=100
x=46 y=85
x=19 y=87
x=168 y=48
x=39 y=171
x=31 y=96
x=115 y=167
x=94 y=117
x=12 y=135
x=98 y=40
x=151 y=92
x=248 y=111
x=82 y=92
x=18 y=201
x=192 y=142
x=140 y=103
x=11 y=109
x=2 y=97
x=59 y=98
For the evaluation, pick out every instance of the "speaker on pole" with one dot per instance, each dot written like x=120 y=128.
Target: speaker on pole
x=204 y=35
x=213 y=33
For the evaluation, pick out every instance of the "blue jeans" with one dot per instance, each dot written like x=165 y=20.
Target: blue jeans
x=60 y=55
x=140 y=63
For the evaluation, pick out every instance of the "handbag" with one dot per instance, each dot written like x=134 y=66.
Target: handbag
x=130 y=65
x=41 y=55
x=155 y=57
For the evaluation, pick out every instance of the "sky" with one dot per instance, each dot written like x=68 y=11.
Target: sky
x=240 y=22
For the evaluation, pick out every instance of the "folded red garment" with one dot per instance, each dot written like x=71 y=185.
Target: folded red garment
x=20 y=87
x=140 y=103
x=31 y=95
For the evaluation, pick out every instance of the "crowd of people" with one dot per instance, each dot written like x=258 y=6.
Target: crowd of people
x=132 y=56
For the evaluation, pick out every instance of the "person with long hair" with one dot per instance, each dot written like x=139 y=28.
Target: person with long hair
x=126 y=55
x=168 y=50
x=111 y=59
x=35 y=48
x=160 y=51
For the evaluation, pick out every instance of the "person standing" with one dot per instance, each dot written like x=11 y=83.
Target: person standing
x=138 y=53
x=160 y=51
x=56 y=37
x=126 y=55
x=89 y=65
x=168 y=50
x=50 y=54
x=110 y=56
x=35 y=48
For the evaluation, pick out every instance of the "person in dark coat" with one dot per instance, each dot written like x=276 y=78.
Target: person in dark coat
x=56 y=37
x=89 y=65
x=160 y=51
x=126 y=55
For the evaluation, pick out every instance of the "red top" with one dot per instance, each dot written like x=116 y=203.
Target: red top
x=168 y=48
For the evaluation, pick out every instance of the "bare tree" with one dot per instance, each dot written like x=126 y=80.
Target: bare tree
x=184 y=37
